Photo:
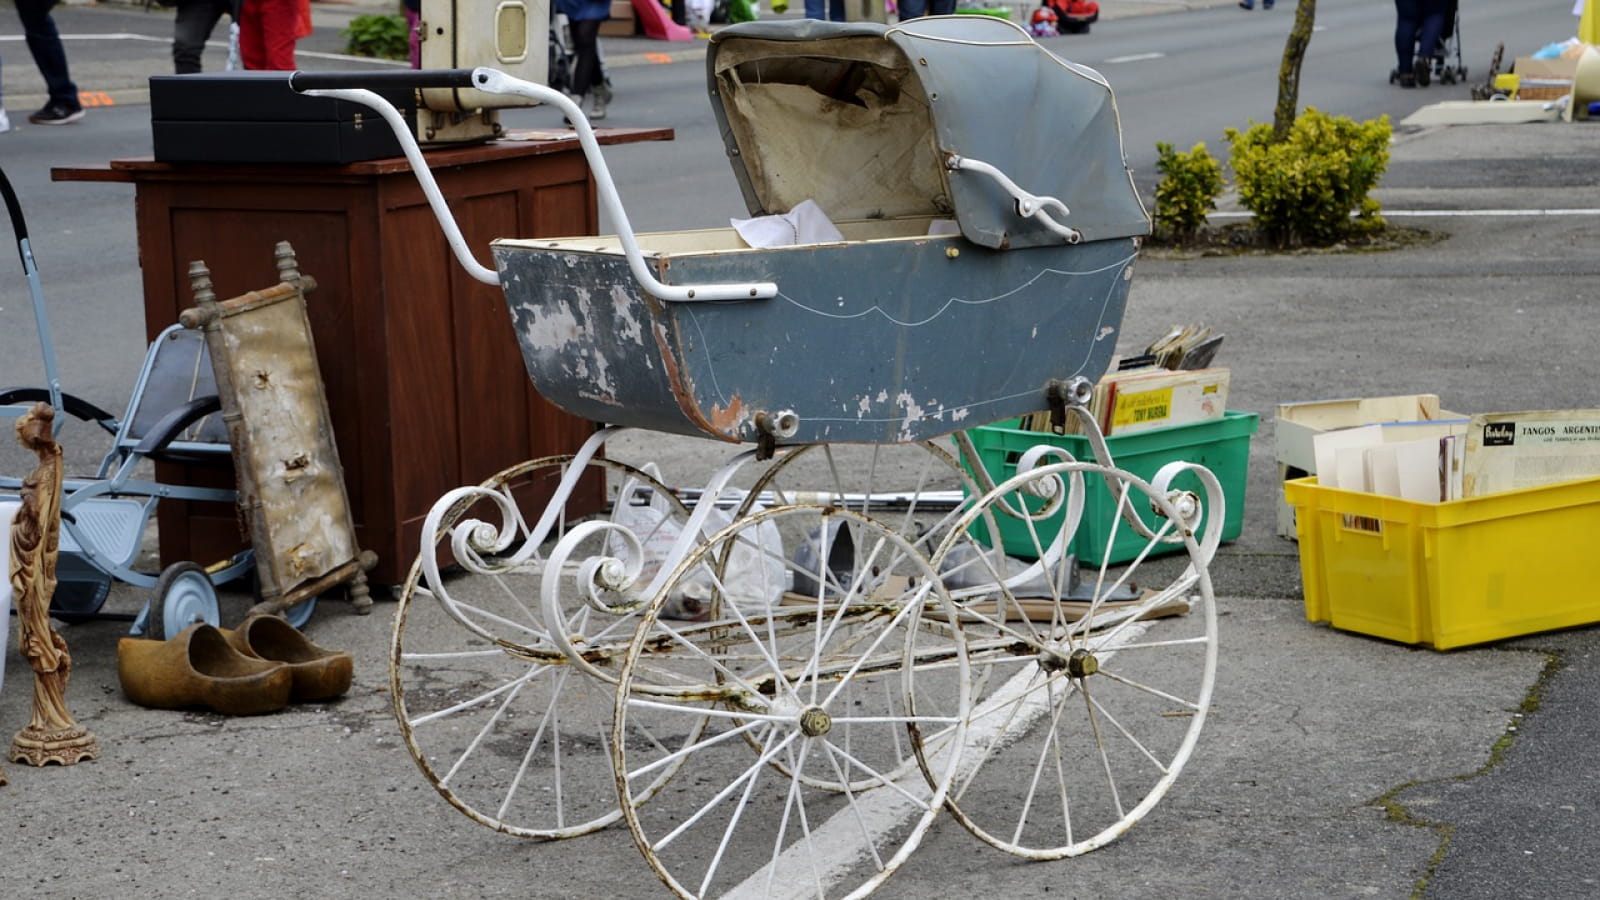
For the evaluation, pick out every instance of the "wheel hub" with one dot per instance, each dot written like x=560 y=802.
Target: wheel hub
x=1079 y=663
x=814 y=722
x=1082 y=664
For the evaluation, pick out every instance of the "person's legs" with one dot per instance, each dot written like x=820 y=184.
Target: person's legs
x=44 y=42
x=1430 y=26
x=941 y=7
x=913 y=9
x=585 y=38
x=1405 y=34
x=193 y=26
x=267 y=34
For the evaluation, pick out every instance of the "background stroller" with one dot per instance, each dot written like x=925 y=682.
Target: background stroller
x=172 y=414
x=1435 y=63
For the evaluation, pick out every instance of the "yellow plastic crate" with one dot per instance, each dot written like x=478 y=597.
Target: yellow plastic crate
x=1448 y=574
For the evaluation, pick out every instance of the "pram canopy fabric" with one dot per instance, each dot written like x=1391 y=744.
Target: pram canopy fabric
x=861 y=118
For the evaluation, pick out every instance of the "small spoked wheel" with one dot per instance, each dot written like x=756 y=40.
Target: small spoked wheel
x=803 y=775
x=492 y=710
x=1095 y=677
x=183 y=596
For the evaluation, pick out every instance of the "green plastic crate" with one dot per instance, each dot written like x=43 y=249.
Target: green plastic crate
x=999 y=12
x=1221 y=445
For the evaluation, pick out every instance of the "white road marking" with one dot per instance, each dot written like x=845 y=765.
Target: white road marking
x=1433 y=213
x=1135 y=57
x=130 y=36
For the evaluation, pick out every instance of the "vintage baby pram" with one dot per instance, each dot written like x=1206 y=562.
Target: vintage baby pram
x=816 y=656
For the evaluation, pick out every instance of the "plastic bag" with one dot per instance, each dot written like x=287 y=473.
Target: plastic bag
x=699 y=13
x=753 y=580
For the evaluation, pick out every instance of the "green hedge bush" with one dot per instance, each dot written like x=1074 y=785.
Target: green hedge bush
x=1190 y=185
x=1304 y=188
x=379 y=36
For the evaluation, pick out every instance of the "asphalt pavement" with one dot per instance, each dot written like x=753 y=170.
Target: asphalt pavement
x=1334 y=765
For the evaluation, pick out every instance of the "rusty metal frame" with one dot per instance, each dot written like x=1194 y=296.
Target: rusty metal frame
x=291 y=484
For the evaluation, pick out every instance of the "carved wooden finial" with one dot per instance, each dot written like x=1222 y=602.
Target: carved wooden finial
x=51 y=736
x=288 y=266
x=200 y=283
x=205 y=297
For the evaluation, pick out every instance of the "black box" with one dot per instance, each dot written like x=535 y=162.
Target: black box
x=255 y=117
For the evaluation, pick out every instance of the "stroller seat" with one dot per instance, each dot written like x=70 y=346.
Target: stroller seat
x=172 y=414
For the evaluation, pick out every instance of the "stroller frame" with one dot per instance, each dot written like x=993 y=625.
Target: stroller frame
x=172 y=413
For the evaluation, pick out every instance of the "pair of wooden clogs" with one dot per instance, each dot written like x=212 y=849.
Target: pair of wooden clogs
x=259 y=667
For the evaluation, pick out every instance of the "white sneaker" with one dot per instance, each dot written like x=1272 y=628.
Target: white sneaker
x=5 y=123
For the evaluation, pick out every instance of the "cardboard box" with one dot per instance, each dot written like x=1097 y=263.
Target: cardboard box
x=622 y=22
x=1544 y=79
x=1298 y=424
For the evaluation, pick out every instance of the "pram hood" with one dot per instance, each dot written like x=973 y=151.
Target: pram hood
x=861 y=117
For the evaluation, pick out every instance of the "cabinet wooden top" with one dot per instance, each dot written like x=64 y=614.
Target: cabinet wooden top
x=516 y=144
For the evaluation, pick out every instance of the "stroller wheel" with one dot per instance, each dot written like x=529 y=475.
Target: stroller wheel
x=183 y=596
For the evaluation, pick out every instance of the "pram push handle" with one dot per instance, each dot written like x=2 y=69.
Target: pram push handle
x=497 y=82
x=407 y=78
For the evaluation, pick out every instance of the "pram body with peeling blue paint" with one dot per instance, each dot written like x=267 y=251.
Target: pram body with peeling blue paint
x=945 y=306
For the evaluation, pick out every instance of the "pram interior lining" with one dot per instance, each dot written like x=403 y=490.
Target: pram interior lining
x=844 y=122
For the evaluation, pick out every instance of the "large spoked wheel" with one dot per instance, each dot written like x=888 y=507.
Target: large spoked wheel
x=500 y=721
x=918 y=491
x=1097 y=677
x=798 y=777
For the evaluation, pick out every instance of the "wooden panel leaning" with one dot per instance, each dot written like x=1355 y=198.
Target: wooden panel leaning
x=51 y=735
x=291 y=484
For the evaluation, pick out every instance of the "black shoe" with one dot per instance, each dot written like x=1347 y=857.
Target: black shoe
x=1419 y=70
x=1247 y=4
x=56 y=113
x=1406 y=79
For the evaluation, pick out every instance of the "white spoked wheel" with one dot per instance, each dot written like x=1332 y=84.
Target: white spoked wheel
x=1096 y=678
x=918 y=491
x=799 y=777
x=494 y=713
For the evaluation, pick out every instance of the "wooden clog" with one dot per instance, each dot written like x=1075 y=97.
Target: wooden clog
x=319 y=673
x=199 y=668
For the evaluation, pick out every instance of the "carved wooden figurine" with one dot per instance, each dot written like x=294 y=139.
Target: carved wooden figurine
x=51 y=736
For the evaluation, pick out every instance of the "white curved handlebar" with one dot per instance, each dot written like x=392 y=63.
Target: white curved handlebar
x=497 y=82
x=430 y=188
x=1029 y=206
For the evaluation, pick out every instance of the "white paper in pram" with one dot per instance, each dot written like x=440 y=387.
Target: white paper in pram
x=805 y=224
